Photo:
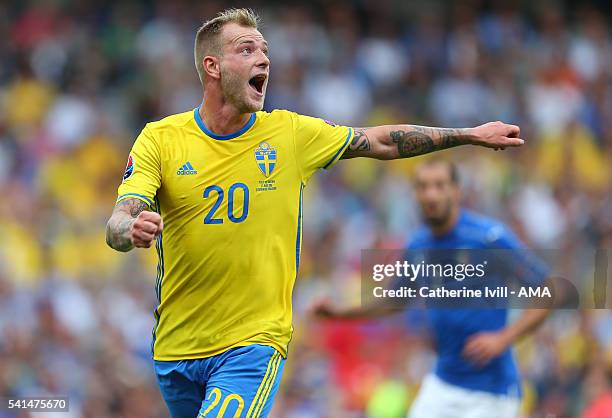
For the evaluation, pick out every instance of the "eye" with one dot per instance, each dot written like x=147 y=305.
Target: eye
x=246 y=51
x=265 y=51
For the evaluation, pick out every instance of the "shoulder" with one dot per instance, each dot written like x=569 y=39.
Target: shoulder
x=488 y=231
x=177 y=120
x=277 y=119
x=276 y=115
x=419 y=237
x=299 y=120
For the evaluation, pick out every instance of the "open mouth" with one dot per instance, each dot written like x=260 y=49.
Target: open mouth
x=258 y=82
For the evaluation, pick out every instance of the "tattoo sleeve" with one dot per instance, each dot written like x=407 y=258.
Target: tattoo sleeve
x=120 y=223
x=402 y=141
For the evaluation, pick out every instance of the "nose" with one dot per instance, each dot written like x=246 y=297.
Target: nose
x=430 y=194
x=263 y=61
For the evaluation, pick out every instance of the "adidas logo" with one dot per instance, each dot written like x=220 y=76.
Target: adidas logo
x=186 y=170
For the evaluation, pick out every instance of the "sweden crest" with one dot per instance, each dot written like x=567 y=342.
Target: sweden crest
x=265 y=156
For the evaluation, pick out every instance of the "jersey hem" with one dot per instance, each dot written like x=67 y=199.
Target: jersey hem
x=339 y=153
x=512 y=389
x=274 y=345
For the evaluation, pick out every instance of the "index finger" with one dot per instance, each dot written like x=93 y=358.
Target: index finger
x=513 y=131
x=153 y=217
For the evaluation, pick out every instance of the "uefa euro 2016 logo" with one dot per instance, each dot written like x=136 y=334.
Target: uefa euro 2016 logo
x=265 y=156
x=129 y=168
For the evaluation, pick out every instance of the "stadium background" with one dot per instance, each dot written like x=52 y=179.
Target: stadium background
x=78 y=80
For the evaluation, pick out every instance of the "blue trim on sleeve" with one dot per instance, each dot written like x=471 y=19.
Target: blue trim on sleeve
x=146 y=199
x=200 y=122
x=342 y=148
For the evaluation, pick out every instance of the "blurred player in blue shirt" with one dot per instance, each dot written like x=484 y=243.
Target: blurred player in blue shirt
x=475 y=374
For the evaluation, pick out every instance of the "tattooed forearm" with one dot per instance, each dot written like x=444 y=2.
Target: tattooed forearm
x=120 y=223
x=418 y=140
x=359 y=145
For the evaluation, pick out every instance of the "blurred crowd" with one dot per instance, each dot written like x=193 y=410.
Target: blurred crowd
x=79 y=79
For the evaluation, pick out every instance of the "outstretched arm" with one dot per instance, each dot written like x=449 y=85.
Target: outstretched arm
x=390 y=142
x=131 y=226
x=324 y=310
x=372 y=309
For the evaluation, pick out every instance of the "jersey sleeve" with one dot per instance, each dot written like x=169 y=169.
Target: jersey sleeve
x=318 y=143
x=142 y=175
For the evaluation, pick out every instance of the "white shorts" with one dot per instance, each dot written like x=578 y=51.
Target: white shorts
x=438 y=399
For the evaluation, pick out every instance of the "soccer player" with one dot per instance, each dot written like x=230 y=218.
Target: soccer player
x=219 y=191
x=475 y=375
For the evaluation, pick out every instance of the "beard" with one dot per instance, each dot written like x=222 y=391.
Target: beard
x=440 y=218
x=234 y=92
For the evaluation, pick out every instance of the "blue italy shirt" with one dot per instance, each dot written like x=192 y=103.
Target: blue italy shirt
x=452 y=327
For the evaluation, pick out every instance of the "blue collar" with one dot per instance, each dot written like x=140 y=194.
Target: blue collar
x=200 y=122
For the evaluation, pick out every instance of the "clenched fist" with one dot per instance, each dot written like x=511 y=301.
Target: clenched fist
x=497 y=135
x=145 y=228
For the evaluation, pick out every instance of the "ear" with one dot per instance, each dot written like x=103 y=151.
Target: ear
x=458 y=194
x=211 y=66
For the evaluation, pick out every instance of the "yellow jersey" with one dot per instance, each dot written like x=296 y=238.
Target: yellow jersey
x=232 y=212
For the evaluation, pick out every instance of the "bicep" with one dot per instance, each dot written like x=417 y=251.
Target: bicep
x=318 y=143
x=142 y=177
x=370 y=143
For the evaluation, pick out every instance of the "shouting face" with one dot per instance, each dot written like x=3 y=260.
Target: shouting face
x=244 y=67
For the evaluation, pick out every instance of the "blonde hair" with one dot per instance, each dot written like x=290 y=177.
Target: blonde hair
x=207 y=36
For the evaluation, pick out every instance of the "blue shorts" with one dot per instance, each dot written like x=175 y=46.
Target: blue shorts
x=239 y=383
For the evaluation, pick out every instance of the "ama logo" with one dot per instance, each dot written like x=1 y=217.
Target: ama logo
x=129 y=168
